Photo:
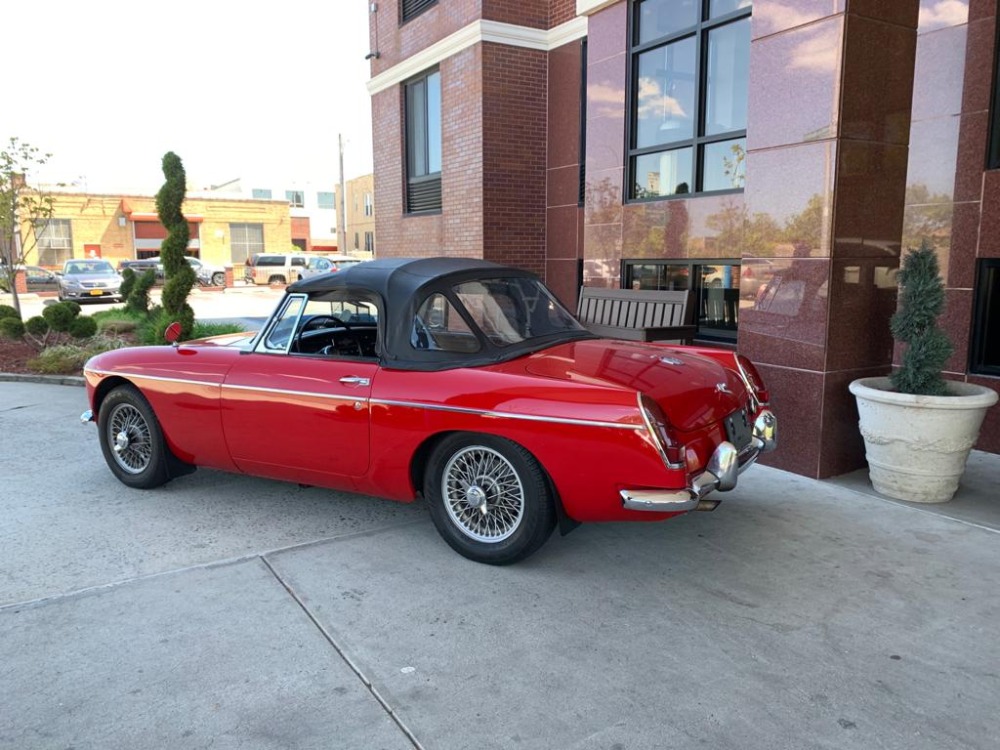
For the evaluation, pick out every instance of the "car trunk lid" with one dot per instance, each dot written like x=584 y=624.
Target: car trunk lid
x=692 y=390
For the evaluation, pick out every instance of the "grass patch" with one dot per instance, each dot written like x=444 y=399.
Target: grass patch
x=116 y=321
x=68 y=359
x=203 y=330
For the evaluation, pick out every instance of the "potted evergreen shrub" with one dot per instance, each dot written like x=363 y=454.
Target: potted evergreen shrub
x=918 y=427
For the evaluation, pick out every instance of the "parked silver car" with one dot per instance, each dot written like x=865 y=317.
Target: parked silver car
x=90 y=280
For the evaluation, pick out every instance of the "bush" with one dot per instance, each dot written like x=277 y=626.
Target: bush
x=68 y=359
x=37 y=326
x=137 y=301
x=83 y=328
x=6 y=311
x=204 y=330
x=921 y=300
x=128 y=283
x=11 y=328
x=61 y=315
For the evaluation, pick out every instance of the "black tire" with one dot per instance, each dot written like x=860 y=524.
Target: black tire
x=488 y=498
x=276 y=279
x=218 y=279
x=131 y=439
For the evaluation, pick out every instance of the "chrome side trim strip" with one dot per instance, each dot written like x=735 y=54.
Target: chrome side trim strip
x=158 y=378
x=286 y=392
x=507 y=415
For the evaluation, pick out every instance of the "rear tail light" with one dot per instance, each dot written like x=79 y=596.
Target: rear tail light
x=671 y=450
x=753 y=379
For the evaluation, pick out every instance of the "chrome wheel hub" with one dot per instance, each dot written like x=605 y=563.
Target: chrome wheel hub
x=475 y=498
x=483 y=494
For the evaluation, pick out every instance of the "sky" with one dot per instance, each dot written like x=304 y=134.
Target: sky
x=252 y=90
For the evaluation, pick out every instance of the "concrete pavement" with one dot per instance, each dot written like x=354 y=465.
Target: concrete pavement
x=232 y=612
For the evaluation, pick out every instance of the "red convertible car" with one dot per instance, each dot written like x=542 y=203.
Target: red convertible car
x=461 y=381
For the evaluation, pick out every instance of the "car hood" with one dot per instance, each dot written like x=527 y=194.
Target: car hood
x=692 y=390
x=93 y=277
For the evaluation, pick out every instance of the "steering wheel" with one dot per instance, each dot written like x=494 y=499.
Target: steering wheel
x=314 y=323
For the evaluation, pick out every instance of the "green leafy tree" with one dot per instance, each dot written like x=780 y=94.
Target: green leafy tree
x=921 y=300
x=180 y=277
x=21 y=207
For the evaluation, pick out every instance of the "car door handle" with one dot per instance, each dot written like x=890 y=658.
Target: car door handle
x=355 y=381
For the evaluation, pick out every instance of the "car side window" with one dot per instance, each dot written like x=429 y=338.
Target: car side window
x=438 y=326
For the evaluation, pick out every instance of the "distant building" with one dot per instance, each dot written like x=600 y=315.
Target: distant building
x=125 y=227
x=360 y=209
x=312 y=207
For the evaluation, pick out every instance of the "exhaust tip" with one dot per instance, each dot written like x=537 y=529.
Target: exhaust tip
x=707 y=505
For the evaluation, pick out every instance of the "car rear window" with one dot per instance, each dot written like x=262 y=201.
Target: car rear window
x=270 y=260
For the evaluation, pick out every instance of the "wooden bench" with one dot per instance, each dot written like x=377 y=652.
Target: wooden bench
x=637 y=315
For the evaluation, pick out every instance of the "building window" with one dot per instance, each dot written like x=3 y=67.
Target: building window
x=423 y=143
x=412 y=8
x=325 y=200
x=369 y=242
x=54 y=241
x=261 y=194
x=716 y=285
x=369 y=206
x=688 y=97
x=245 y=240
x=295 y=198
x=986 y=324
x=355 y=240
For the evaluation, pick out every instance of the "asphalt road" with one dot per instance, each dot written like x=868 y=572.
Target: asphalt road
x=228 y=612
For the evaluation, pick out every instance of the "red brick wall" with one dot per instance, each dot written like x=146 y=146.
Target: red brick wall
x=561 y=11
x=534 y=13
x=458 y=229
x=514 y=151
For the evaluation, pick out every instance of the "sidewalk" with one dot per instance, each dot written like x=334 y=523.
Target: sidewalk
x=234 y=612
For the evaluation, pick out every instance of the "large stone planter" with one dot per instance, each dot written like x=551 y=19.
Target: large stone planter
x=917 y=446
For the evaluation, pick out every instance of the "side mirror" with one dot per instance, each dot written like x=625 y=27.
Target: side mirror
x=172 y=333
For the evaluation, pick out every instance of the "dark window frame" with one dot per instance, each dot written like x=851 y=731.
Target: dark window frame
x=986 y=301
x=699 y=32
x=705 y=332
x=993 y=145
x=410 y=9
x=296 y=198
x=422 y=192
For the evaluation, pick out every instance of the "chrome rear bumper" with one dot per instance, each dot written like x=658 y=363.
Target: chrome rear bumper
x=721 y=473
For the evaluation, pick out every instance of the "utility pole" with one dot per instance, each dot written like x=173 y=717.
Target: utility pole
x=341 y=215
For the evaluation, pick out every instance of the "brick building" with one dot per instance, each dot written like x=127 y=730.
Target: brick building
x=775 y=157
x=360 y=209
x=117 y=227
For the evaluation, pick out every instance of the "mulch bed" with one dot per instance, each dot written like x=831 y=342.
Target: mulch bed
x=14 y=356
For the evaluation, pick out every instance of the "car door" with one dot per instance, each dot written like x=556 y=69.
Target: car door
x=298 y=417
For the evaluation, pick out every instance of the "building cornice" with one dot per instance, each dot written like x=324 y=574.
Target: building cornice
x=589 y=7
x=475 y=33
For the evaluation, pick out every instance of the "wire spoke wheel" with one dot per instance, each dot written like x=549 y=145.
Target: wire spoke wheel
x=483 y=494
x=130 y=439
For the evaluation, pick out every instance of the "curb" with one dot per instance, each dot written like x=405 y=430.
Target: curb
x=14 y=377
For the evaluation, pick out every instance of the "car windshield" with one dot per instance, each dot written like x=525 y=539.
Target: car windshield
x=79 y=267
x=505 y=310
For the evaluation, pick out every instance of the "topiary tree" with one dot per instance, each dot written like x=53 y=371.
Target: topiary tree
x=6 y=311
x=137 y=299
x=921 y=300
x=60 y=317
x=83 y=327
x=128 y=284
x=180 y=277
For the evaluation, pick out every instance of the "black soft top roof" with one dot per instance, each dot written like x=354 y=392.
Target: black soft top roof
x=402 y=284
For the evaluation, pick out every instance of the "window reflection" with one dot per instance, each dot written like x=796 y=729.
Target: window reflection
x=666 y=173
x=666 y=94
x=728 y=63
x=659 y=18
